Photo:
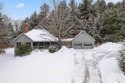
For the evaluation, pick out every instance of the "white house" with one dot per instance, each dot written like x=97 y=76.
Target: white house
x=39 y=38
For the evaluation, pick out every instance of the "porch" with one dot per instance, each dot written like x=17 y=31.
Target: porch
x=43 y=45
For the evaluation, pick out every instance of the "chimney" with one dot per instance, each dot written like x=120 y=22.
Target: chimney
x=25 y=27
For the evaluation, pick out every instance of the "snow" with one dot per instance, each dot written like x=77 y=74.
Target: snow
x=40 y=35
x=37 y=68
x=111 y=72
x=68 y=65
x=68 y=39
x=109 y=47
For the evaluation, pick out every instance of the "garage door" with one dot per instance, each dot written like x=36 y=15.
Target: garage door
x=88 y=46
x=77 y=46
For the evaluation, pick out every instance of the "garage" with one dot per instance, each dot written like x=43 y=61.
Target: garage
x=83 y=41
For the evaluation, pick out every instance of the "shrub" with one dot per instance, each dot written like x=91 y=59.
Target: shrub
x=121 y=60
x=52 y=49
x=23 y=50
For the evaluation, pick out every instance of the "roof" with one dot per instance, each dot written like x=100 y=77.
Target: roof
x=84 y=33
x=68 y=39
x=40 y=34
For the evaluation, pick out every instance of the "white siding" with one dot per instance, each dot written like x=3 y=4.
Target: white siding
x=22 y=39
x=83 y=41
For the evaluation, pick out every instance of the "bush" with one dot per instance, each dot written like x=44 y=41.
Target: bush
x=23 y=50
x=121 y=60
x=52 y=49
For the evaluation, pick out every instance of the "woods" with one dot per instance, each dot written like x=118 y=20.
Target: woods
x=104 y=21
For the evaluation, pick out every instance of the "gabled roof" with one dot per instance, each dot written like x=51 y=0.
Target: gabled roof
x=38 y=34
x=83 y=32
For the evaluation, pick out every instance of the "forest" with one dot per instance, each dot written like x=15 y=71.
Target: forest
x=103 y=21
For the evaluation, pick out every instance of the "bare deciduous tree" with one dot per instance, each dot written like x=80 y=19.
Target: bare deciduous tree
x=61 y=21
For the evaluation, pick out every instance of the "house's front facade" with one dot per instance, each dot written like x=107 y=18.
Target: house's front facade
x=39 y=38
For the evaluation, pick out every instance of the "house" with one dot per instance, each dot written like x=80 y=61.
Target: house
x=39 y=38
x=83 y=41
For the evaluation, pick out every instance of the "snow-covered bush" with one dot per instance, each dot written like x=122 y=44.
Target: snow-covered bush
x=121 y=60
x=52 y=49
x=23 y=50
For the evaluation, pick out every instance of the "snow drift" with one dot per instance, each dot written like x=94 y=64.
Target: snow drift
x=65 y=66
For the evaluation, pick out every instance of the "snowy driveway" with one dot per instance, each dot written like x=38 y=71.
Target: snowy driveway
x=98 y=65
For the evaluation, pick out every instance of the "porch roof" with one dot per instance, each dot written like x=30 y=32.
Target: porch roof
x=67 y=39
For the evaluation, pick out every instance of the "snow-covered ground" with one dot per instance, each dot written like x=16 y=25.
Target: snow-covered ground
x=97 y=65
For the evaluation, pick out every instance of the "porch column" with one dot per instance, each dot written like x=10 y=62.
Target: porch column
x=38 y=45
x=43 y=45
x=50 y=43
x=32 y=45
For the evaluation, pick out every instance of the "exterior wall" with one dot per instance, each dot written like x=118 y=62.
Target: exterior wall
x=67 y=44
x=83 y=41
x=22 y=39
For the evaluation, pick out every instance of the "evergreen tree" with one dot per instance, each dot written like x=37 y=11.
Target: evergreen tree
x=33 y=21
x=72 y=5
x=43 y=17
x=121 y=60
x=84 y=9
x=11 y=32
x=3 y=33
x=113 y=24
x=111 y=5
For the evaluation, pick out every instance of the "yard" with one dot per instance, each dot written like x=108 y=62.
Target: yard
x=97 y=65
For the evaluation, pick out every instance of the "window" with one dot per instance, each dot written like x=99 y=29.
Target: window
x=54 y=43
x=35 y=43
x=18 y=43
x=87 y=44
x=46 y=43
x=28 y=43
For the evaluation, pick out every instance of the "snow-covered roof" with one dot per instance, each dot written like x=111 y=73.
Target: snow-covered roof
x=86 y=34
x=40 y=34
x=68 y=39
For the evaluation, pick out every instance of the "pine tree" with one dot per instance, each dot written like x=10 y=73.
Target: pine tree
x=121 y=60
x=113 y=25
x=84 y=9
x=72 y=5
x=10 y=32
x=33 y=20
x=111 y=5
x=3 y=33
x=43 y=17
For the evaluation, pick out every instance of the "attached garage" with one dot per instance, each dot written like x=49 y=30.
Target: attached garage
x=83 y=41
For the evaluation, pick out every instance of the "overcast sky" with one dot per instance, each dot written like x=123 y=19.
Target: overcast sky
x=20 y=9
